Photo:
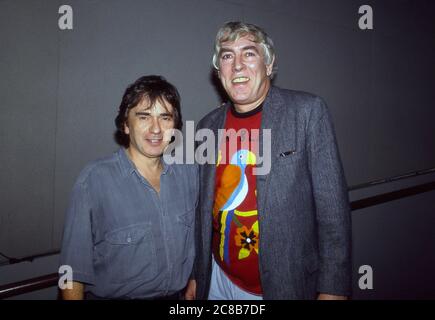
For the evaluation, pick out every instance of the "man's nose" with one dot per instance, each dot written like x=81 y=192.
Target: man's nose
x=238 y=63
x=155 y=126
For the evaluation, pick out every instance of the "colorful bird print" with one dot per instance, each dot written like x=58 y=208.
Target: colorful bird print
x=231 y=193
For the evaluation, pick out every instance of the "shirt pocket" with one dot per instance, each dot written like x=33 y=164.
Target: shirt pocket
x=186 y=218
x=129 y=254
x=184 y=232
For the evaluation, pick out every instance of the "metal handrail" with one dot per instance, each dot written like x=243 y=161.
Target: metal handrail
x=29 y=258
x=391 y=196
x=392 y=179
x=29 y=285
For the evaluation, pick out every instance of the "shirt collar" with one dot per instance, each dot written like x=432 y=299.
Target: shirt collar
x=127 y=166
x=254 y=111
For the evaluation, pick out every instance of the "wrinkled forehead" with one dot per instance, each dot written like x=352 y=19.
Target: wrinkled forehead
x=242 y=42
x=159 y=105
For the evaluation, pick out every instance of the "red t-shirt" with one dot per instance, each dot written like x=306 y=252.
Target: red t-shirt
x=235 y=218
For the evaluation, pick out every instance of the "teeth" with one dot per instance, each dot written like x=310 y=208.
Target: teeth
x=240 y=79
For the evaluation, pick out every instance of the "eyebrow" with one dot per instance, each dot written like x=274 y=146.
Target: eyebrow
x=223 y=49
x=146 y=113
x=166 y=114
x=142 y=113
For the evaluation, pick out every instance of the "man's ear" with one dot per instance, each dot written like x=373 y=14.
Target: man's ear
x=269 y=67
x=126 y=128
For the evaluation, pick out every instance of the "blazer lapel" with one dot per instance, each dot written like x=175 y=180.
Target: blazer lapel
x=209 y=176
x=273 y=114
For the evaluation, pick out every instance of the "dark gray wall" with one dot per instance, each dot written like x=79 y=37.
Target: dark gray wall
x=59 y=91
x=397 y=240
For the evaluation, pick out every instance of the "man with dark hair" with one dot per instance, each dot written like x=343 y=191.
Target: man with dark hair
x=285 y=233
x=129 y=228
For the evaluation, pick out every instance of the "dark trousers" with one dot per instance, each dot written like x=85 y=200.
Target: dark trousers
x=176 y=296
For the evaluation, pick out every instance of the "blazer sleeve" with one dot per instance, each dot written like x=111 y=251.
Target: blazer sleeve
x=198 y=240
x=331 y=202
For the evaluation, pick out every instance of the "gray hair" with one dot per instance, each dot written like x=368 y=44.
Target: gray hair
x=232 y=31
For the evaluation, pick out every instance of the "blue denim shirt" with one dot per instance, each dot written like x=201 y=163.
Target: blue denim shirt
x=124 y=239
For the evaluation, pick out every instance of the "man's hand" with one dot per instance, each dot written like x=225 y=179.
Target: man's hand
x=324 y=296
x=76 y=293
x=190 y=290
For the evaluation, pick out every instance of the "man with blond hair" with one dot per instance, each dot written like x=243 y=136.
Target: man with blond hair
x=284 y=233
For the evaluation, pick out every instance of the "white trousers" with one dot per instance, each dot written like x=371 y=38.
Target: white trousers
x=222 y=288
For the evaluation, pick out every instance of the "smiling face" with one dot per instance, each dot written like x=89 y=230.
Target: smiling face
x=149 y=128
x=243 y=73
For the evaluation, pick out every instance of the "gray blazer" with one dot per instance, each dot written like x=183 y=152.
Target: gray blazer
x=303 y=206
